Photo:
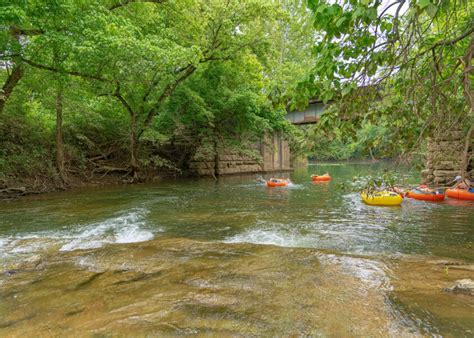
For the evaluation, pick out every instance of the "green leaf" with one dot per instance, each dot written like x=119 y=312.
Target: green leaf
x=346 y=90
x=423 y=3
x=387 y=101
x=321 y=8
x=432 y=10
x=340 y=21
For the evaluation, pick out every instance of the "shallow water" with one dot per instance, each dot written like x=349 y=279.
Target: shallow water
x=228 y=257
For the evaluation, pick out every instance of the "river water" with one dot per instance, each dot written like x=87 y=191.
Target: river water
x=235 y=258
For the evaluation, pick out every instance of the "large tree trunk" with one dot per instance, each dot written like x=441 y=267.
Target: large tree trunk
x=134 y=145
x=59 y=134
x=216 y=159
x=468 y=71
x=134 y=134
x=469 y=97
x=10 y=84
x=467 y=152
x=14 y=77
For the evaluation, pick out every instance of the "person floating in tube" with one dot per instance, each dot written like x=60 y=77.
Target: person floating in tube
x=463 y=184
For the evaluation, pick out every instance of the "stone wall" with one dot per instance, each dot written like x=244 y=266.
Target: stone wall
x=229 y=163
x=445 y=158
x=273 y=154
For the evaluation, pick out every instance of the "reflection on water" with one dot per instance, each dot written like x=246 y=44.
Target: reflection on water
x=200 y=244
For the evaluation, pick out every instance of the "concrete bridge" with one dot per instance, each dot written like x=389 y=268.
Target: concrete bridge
x=272 y=154
x=273 y=149
x=310 y=115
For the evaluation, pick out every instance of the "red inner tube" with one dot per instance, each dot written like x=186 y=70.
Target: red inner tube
x=277 y=184
x=460 y=194
x=426 y=197
x=321 y=178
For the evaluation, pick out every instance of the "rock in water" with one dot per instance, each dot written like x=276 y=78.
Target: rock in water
x=462 y=286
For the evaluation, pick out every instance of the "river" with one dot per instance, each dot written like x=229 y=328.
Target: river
x=234 y=257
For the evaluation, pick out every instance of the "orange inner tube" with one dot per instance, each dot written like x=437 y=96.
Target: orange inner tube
x=460 y=194
x=277 y=184
x=425 y=197
x=321 y=178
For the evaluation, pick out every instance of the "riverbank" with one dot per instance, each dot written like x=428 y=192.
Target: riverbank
x=16 y=188
x=13 y=189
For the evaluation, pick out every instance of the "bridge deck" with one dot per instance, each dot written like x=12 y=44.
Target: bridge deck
x=310 y=115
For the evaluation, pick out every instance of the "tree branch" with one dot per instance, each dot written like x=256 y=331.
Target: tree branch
x=10 y=83
x=126 y=2
x=16 y=31
x=154 y=83
x=454 y=40
x=166 y=93
x=63 y=71
x=123 y=101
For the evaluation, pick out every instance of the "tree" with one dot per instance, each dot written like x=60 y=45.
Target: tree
x=222 y=107
x=412 y=53
x=173 y=53
x=104 y=71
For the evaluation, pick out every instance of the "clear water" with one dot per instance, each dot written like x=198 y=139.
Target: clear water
x=238 y=211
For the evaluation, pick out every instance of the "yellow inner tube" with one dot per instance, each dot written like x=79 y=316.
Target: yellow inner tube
x=381 y=198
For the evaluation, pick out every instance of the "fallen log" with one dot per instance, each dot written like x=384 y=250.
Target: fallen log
x=13 y=190
x=110 y=169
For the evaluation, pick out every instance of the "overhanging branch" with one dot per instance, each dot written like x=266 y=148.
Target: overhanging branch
x=122 y=100
x=126 y=2
x=166 y=93
x=64 y=71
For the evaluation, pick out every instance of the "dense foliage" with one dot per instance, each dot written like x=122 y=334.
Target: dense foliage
x=130 y=86
x=127 y=86
x=397 y=72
